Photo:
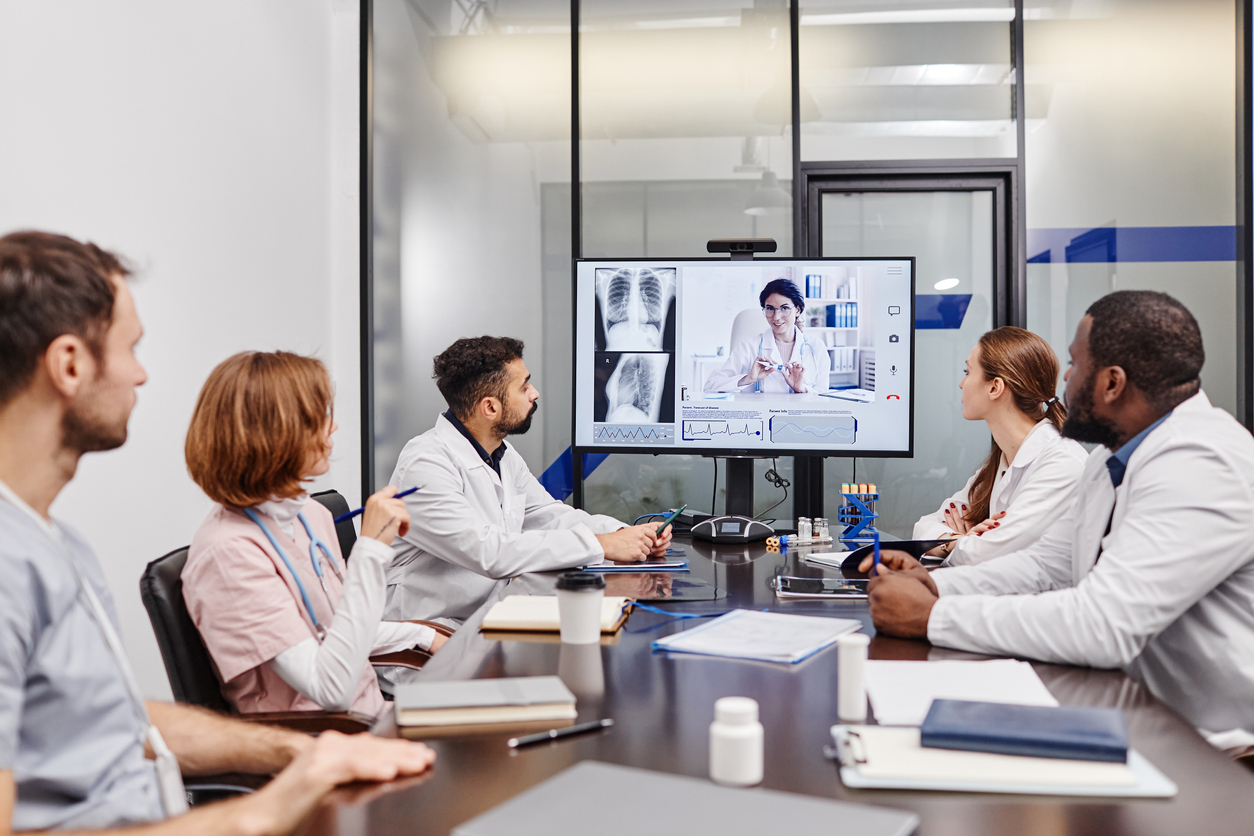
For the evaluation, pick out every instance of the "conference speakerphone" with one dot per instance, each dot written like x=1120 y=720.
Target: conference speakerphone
x=732 y=529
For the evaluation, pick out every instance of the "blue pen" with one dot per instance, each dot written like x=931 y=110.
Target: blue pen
x=342 y=517
x=875 y=570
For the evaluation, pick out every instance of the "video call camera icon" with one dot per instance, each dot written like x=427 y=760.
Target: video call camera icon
x=893 y=338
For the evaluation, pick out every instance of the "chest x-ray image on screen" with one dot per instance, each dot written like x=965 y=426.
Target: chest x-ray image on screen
x=630 y=388
x=763 y=357
x=635 y=309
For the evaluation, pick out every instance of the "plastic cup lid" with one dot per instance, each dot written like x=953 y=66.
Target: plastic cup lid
x=581 y=581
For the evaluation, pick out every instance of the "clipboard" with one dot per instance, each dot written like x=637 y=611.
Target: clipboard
x=890 y=757
x=914 y=548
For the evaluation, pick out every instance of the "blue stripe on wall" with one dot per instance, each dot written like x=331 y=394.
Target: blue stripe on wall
x=1132 y=243
x=940 y=310
x=558 y=478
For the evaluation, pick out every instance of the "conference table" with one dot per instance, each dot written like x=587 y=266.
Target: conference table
x=662 y=705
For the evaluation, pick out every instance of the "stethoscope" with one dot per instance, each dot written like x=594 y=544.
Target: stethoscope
x=805 y=343
x=314 y=546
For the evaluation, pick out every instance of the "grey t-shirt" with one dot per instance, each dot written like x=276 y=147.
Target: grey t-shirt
x=68 y=730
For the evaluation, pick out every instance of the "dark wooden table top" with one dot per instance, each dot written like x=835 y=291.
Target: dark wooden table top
x=663 y=704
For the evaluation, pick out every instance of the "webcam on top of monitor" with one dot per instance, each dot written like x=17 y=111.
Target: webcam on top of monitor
x=741 y=247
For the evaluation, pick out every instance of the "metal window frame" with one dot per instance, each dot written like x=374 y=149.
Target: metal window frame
x=1011 y=308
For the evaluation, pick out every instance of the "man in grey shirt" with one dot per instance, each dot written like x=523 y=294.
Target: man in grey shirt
x=75 y=736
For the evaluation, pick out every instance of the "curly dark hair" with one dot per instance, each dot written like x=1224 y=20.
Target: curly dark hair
x=1154 y=339
x=473 y=368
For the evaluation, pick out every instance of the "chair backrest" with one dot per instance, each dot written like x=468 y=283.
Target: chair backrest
x=746 y=325
x=186 y=659
x=345 y=532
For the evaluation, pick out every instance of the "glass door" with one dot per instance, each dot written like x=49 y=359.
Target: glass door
x=957 y=233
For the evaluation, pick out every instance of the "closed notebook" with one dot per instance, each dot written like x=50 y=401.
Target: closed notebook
x=539 y=613
x=1070 y=732
x=517 y=699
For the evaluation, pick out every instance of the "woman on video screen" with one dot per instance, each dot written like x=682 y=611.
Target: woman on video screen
x=780 y=360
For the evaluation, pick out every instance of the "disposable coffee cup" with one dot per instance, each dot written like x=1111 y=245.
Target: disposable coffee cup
x=579 y=597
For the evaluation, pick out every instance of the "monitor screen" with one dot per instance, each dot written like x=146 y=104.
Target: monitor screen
x=765 y=357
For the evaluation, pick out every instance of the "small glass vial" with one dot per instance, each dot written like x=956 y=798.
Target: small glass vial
x=804 y=528
x=824 y=531
x=736 y=743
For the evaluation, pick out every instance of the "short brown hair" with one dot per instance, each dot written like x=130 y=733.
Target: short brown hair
x=259 y=419
x=473 y=368
x=50 y=285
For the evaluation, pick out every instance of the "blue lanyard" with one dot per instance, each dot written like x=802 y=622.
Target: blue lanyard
x=313 y=556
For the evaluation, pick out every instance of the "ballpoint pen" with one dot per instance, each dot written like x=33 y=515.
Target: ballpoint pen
x=342 y=517
x=554 y=734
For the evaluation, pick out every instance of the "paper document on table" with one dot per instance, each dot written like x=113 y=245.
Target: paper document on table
x=902 y=692
x=763 y=636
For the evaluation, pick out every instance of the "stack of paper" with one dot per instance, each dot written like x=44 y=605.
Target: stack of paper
x=902 y=692
x=764 y=636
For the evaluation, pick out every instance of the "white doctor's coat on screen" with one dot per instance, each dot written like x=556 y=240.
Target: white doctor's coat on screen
x=471 y=528
x=807 y=350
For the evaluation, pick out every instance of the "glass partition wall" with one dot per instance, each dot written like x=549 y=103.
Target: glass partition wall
x=695 y=118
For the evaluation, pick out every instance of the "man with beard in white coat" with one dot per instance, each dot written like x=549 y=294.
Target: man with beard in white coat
x=479 y=515
x=1152 y=570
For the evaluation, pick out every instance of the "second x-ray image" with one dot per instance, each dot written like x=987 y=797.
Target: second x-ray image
x=634 y=388
x=635 y=309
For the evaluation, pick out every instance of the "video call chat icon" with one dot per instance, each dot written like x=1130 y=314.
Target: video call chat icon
x=893 y=310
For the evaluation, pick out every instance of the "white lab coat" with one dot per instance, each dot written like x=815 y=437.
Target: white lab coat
x=470 y=528
x=1034 y=491
x=808 y=351
x=1172 y=598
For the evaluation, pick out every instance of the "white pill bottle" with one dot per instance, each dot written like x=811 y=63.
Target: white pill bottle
x=736 y=750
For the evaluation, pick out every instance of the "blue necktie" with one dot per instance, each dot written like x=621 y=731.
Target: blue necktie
x=1117 y=469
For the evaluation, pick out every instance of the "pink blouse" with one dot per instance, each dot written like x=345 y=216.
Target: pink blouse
x=248 y=609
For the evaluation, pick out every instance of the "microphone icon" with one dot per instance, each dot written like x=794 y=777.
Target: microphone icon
x=892 y=370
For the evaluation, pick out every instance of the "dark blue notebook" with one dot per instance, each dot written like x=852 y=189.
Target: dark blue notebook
x=1071 y=732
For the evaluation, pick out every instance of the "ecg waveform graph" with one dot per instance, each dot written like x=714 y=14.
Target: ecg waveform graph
x=811 y=429
x=633 y=434
x=722 y=430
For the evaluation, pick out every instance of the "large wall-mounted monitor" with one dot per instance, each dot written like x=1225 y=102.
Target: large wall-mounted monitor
x=688 y=356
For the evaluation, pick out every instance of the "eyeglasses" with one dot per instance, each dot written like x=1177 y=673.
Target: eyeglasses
x=786 y=310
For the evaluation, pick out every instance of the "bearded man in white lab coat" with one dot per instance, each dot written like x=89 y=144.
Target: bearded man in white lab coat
x=1152 y=570
x=479 y=515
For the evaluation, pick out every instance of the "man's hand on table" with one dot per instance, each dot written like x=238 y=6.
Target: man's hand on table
x=901 y=595
x=900 y=605
x=634 y=543
x=893 y=560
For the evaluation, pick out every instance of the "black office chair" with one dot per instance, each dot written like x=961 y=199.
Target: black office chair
x=345 y=532
x=187 y=663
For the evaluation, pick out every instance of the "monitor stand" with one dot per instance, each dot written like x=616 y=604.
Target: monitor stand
x=740 y=486
x=736 y=525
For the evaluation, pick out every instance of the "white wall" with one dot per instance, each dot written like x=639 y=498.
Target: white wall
x=215 y=144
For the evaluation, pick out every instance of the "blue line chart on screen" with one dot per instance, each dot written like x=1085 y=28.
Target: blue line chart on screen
x=710 y=430
x=836 y=429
